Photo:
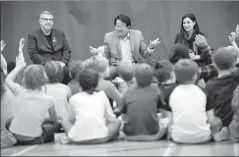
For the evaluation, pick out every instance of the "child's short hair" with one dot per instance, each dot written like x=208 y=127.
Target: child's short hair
x=178 y=51
x=54 y=72
x=185 y=70
x=152 y=62
x=143 y=74
x=88 y=80
x=75 y=67
x=34 y=77
x=125 y=70
x=224 y=58
x=97 y=63
x=163 y=70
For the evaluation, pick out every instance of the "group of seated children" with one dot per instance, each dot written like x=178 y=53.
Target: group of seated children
x=85 y=108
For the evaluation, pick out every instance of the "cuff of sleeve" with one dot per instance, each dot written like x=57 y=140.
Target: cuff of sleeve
x=64 y=61
x=205 y=49
x=150 y=50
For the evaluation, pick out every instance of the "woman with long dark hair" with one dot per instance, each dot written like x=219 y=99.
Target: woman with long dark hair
x=191 y=37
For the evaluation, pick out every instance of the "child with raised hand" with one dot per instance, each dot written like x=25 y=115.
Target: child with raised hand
x=234 y=125
x=92 y=119
x=7 y=109
x=7 y=138
x=28 y=125
x=220 y=89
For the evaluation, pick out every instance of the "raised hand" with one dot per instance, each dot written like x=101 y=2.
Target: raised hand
x=154 y=43
x=3 y=44
x=20 y=60
x=201 y=41
x=20 y=47
x=21 y=43
x=232 y=37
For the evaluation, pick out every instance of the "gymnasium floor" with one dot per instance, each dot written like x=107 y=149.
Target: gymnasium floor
x=125 y=148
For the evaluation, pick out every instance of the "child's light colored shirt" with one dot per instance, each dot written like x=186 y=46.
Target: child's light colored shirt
x=91 y=113
x=61 y=94
x=32 y=108
x=188 y=105
x=8 y=107
x=74 y=86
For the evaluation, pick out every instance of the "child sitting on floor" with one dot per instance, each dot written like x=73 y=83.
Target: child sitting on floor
x=60 y=92
x=101 y=66
x=186 y=106
x=28 y=125
x=7 y=138
x=91 y=118
x=139 y=107
x=220 y=89
x=75 y=67
x=234 y=125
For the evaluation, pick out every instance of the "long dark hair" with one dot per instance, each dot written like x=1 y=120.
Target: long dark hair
x=193 y=18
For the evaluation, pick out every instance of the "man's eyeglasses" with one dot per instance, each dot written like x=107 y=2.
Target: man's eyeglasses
x=116 y=26
x=46 y=19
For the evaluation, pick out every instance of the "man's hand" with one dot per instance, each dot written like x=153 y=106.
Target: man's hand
x=61 y=63
x=97 y=51
x=154 y=43
x=3 y=44
x=201 y=41
x=93 y=50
